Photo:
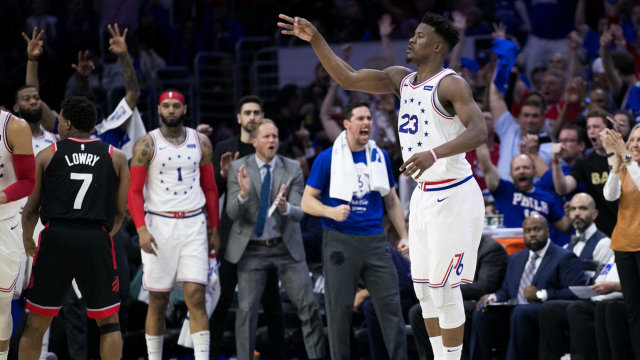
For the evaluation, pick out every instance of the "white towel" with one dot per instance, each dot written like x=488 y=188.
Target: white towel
x=135 y=128
x=343 y=182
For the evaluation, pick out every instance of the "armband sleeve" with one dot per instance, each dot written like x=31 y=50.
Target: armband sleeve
x=208 y=184
x=25 y=167
x=135 y=198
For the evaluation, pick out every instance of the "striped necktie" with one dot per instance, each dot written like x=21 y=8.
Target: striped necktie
x=527 y=277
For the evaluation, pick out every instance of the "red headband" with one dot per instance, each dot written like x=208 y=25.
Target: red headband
x=171 y=95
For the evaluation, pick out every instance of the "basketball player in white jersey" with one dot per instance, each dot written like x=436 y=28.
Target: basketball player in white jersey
x=438 y=122
x=173 y=164
x=17 y=179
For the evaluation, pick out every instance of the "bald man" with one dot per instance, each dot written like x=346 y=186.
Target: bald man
x=543 y=271
x=588 y=243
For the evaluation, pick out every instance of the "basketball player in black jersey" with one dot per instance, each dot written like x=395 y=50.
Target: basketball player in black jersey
x=80 y=194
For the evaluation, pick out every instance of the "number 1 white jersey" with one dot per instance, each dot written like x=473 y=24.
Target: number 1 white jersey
x=423 y=124
x=173 y=178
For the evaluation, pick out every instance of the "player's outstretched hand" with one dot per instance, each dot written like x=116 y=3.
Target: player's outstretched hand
x=34 y=44
x=417 y=164
x=117 y=43
x=29 y=246
x=147 y=242
x=297 y=26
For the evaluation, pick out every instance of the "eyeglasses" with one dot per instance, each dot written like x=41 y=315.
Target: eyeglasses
x=564 y=141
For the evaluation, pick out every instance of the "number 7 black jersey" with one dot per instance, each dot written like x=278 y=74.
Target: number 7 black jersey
x=80 y=183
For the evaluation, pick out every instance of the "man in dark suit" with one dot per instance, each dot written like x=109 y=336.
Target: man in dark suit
x=249 y=114
x=542 y=272
x=264 y=192
x=490 y=269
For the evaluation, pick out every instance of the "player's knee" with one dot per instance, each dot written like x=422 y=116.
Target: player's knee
x=423 y=293
x=194 y=296
x=158 y=301
x=450 y=308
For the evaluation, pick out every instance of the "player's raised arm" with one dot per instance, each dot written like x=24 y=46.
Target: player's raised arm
x=367 y=80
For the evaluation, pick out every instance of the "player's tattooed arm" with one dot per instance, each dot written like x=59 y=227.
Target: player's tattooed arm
x=207 y=149
x=142 y=151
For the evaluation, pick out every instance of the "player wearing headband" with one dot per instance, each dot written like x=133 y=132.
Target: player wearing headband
x=173 y=163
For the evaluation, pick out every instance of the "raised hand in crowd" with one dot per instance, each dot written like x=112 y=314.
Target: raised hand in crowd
x=85 y=66
x=117 y=43
x=225 y=162
x=34 y=44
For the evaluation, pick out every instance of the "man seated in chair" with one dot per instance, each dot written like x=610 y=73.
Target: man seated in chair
x=542 y=272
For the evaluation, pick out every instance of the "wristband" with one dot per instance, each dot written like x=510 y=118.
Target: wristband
x=433 y=153
x=610 y=154
x=555 y=161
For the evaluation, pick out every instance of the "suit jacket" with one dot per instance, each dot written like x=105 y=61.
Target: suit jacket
x=285 y=171
x=558 y=270
x=492 y=263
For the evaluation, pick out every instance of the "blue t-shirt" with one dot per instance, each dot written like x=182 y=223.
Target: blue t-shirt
x=365 y=217
x=516 y=205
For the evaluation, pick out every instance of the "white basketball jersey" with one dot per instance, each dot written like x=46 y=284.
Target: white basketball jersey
x=7 y=172
x=42 y=142
x=173 y=178
x=423 y=124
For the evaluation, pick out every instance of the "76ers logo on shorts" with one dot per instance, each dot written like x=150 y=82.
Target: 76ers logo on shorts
x=458 y=265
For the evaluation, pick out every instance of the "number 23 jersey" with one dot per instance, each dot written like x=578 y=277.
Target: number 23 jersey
x=80 y=182
x=423 y=124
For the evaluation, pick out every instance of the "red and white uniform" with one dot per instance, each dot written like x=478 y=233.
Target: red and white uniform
x=173 y=203
x=173 y=178
x=42 y=142
x=10 y=229
x=447 y=209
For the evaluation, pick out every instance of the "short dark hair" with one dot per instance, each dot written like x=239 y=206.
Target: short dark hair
x=347 y=111
x=538 y=101
x=599 y=112
x=580 y=132
x=443 y=27
x=26 y=86
x=80 y=111
x=249 y=99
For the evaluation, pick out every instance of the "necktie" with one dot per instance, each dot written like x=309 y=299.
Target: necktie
x=264 y=201
x=527 y=277
x=577 y=238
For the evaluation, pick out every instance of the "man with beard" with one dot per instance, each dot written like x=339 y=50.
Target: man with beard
x=29 y=107
x=588 y=243
x=543 y=271
x=519 y=198
x=173 y=162
x=592 y=171
x=249 y=114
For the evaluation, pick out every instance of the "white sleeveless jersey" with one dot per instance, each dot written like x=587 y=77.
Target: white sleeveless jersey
x=7 y=172
x=42 y=142
x=173 y=178
x=423 y=124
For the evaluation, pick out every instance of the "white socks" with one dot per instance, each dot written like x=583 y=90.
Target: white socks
x=436 y=345
x=4 y=354
x=154 y=346
x=452 y=353
x=201 y=344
